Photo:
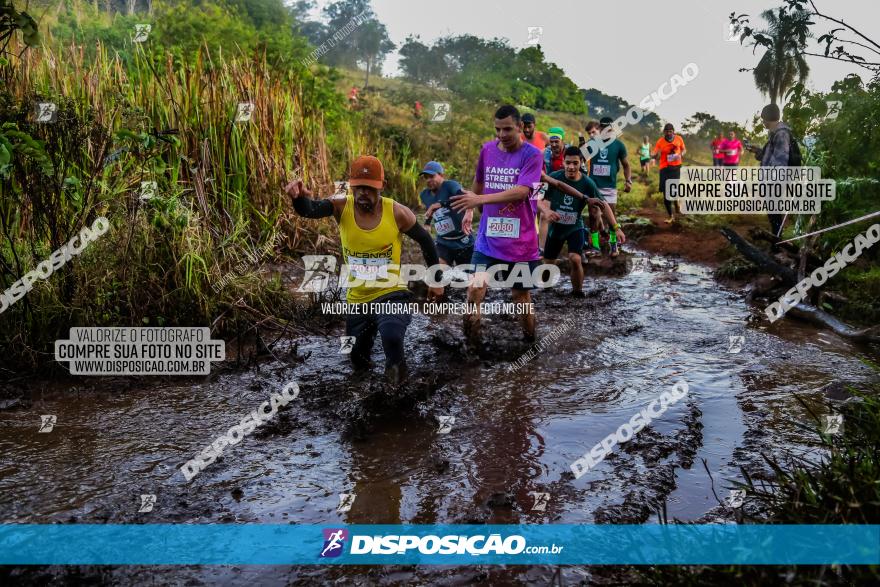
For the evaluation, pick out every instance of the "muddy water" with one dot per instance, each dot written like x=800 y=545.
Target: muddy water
x=513 y=437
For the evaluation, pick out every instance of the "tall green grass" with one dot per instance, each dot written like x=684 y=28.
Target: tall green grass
x=125 y=121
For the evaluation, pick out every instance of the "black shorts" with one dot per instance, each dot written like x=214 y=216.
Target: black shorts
x=717 y=162
x=670 y=172
x=391 y=327
x=575 y=241
x=454 y=256
x=483 y=262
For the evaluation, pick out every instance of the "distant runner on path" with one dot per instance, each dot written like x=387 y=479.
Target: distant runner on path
x=670 y=151
x=531 y=135
x=717 y=153
x=604 y=168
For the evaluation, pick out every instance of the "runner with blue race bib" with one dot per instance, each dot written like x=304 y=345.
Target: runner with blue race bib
x=455 y=242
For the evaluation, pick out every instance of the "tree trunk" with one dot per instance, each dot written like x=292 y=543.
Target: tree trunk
x=759 y=257
x=367 y=78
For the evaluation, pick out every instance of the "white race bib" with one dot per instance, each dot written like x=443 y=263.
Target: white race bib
x=673 y=157
x=443 y=223
x=602 y=169
x=502 y=227
x=567 y=217
x=368 y=269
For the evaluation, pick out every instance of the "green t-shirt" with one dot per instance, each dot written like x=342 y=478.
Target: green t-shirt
x=644 y=151
x=569 y=207
x=604 y=166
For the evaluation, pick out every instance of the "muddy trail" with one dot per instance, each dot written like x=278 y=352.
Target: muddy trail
x=464 y=440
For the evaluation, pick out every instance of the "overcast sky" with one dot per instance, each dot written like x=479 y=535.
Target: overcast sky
x=629 y=49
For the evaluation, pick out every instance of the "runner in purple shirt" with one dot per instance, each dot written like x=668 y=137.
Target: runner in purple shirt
x=507 y=174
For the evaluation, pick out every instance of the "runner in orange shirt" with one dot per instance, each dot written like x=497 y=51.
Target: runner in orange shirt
x=532 y=136
x=670 y=151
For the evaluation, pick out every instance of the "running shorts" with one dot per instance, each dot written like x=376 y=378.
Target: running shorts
x=483 y=262
x=575 y=241
x=454 y=256
x=609 y=195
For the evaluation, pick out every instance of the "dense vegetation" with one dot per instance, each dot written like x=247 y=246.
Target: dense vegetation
x=479 y=69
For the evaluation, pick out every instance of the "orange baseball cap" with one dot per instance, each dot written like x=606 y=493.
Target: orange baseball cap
x=367 y=170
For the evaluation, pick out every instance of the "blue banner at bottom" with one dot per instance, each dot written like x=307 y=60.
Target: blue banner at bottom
x=229 y=544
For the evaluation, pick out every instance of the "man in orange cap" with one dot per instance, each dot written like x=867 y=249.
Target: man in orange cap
x=370 y=227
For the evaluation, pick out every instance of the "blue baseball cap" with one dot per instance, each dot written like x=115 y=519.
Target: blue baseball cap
x=432 y=168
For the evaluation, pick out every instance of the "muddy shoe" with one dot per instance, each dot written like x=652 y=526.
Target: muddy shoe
x=615 y=250
x=591 y=252
x=578 y=294
x=472 y=338
x=395 y=375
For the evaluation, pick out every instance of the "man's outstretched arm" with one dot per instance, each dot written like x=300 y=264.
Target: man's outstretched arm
x=305 y=206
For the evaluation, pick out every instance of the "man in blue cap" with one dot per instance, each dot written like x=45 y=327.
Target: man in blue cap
x=455 y=241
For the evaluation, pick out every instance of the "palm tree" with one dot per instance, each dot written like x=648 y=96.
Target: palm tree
x=783 y=64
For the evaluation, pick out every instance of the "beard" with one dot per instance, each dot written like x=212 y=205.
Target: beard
x=365 y=205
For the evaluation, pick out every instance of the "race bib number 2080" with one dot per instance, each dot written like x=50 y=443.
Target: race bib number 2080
x=501 y=227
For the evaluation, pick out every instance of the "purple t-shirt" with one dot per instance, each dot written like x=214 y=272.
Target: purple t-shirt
x=507 y=231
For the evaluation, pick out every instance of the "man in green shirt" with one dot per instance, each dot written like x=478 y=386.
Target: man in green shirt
x=604 y=167
x=564 y=211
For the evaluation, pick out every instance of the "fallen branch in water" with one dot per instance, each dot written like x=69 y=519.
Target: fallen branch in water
x=803 y=310
x=759 y=257
x=817 y=316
